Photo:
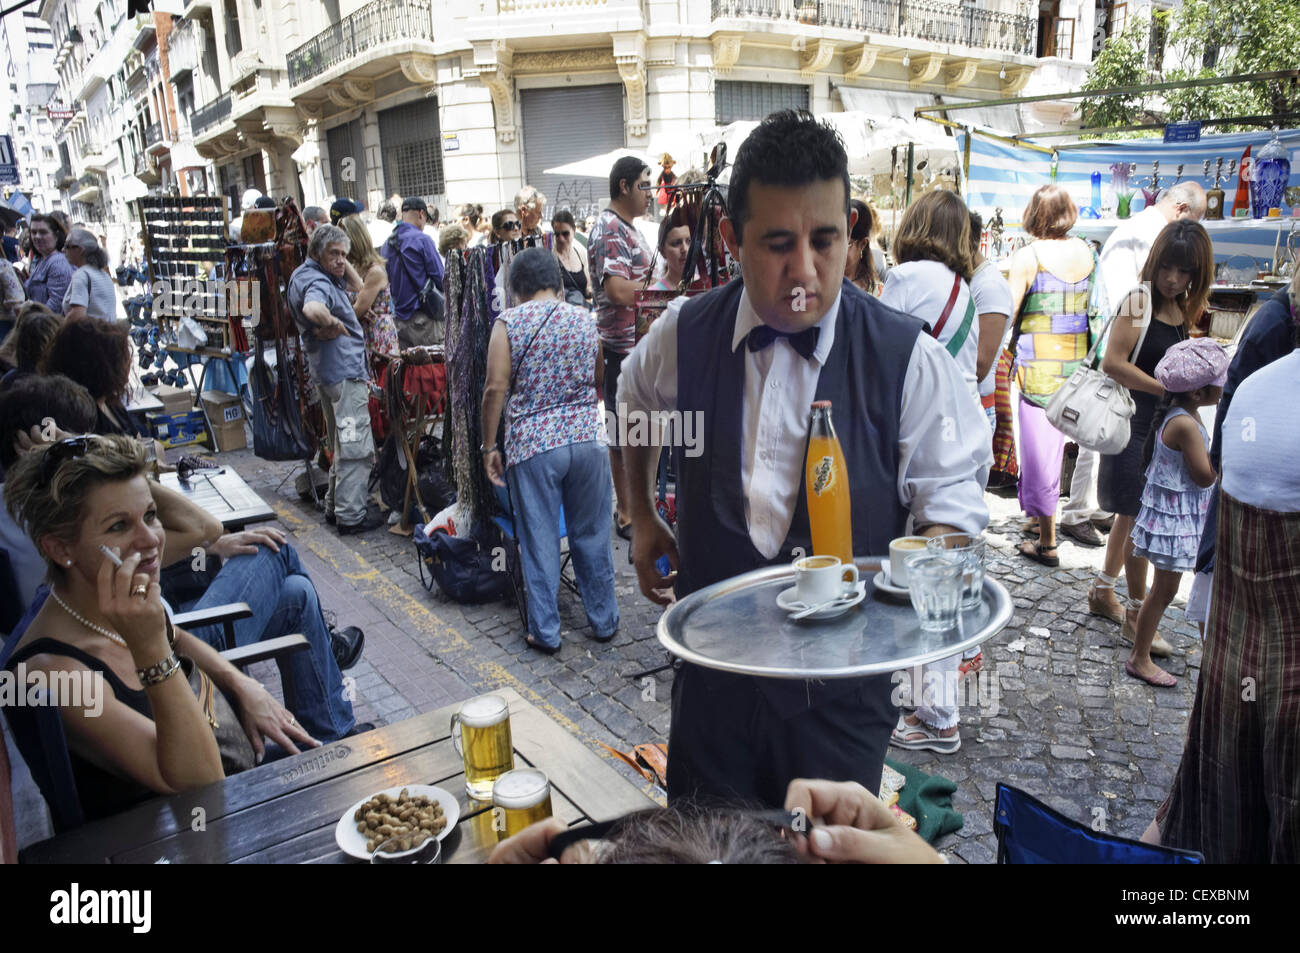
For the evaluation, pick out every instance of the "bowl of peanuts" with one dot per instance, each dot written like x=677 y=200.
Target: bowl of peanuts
x=411 y=813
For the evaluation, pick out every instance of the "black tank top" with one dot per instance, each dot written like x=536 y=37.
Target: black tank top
x=102 y=793
x=1160 y=338
x=575 y=280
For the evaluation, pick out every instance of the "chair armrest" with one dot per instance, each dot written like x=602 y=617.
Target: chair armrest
x=213 y=615
x=269 y=649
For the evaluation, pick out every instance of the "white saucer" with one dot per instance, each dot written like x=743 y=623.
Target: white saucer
x=882 y=584
x=788 y=601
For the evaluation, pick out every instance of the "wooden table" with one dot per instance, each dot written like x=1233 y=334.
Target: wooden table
x=224 y=494
x=286 y=812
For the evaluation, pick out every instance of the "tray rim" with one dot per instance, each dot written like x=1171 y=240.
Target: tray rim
x=996 y=597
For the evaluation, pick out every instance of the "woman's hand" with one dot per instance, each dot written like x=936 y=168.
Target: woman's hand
x=132 y=604
x=246 y=543
x=495 y=470
x=263 y=716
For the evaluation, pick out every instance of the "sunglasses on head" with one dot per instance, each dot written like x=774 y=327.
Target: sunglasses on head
x=70 y=448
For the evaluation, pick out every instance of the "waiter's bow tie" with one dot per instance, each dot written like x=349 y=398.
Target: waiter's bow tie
x=805 y=341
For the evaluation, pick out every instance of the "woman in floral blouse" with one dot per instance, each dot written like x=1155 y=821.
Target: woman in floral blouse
x=545 y=354
x=373 y=303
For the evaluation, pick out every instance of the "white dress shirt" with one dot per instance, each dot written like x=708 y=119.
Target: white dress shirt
x=1125 y=253
x=944 y=447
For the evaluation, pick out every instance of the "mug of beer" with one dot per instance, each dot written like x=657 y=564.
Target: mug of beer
x=519 y=798
x=480 y=732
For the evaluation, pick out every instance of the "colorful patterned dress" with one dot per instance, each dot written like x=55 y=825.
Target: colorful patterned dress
x=380 y=330
x=1169 y=524
x=1053 y=335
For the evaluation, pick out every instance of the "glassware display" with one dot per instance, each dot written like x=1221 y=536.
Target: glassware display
x=1269 y=177
x=1119 y=181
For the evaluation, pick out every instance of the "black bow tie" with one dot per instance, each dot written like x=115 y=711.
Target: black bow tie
x=805 y=341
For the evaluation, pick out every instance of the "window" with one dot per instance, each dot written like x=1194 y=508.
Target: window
x=348 y=160
x=739 y=100
x=233 y=43
x=1064 y=43
x=411 y=147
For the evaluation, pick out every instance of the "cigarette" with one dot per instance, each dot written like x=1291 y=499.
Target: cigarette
x=111 y=555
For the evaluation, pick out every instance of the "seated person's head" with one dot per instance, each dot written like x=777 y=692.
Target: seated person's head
x=533 y=271
x=95 y=354
x=684 y=834
x=33 y=332
x=33 y=400
x=76 y=495
x=787 y=223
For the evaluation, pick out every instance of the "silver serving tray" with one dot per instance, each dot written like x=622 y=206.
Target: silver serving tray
x=736 y=626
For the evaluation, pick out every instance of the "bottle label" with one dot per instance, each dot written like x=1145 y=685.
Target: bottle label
x=824 y=475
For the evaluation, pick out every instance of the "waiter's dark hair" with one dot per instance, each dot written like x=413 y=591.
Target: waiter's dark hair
x=788 y=149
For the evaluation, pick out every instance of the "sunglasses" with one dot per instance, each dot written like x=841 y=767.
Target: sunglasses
x=70 y=448
x=511 y=226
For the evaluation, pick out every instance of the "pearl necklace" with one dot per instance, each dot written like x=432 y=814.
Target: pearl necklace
x=111 y=636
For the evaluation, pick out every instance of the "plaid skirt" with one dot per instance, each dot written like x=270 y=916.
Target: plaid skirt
x=1236 y=797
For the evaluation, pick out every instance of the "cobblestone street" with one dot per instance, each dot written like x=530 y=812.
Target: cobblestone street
x=1067 y=725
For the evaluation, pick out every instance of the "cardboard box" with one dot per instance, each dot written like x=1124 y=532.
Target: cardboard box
x=179 y=429
x=175 y=400
x=226 y=414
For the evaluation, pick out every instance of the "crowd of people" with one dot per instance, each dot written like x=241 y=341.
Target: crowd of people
x=920 y=358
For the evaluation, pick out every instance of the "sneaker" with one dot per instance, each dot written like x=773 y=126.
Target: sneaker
x=347 y=645
x=372 y=520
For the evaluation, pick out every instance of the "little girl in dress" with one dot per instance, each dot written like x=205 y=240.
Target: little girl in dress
x=1179 y=481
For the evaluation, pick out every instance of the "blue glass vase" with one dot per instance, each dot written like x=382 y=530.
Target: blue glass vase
x=1269 y=177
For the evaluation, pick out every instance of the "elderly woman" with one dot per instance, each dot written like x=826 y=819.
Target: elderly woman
x=91 y=290
x=336 y=351
x=1050 y=280
x=530 y=204
x=51 y=272
x=545 y=355
x=153 y=733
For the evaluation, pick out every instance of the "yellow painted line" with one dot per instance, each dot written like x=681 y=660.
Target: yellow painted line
x=446 y=640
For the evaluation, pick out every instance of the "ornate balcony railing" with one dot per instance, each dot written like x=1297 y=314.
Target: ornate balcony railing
x=211 y=114
x=153 y=135
x=949 y=23
x=373 y=24
x=88 y=181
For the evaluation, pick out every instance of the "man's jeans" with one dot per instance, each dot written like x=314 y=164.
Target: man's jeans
x=284 y=602
x=346 y=406
x=577 y=476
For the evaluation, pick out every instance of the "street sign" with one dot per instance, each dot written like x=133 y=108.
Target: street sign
x=1183 y=131
x=60 y=112
x=450 y=142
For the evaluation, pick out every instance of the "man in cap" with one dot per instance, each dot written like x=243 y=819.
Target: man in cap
x=415 y=278
x=342 y=208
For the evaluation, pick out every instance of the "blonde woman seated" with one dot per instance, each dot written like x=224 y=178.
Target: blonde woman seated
x=153 y=735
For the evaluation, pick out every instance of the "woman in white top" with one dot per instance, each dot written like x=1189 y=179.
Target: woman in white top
x=993 y=304
x=91 y=290
x=932 y=249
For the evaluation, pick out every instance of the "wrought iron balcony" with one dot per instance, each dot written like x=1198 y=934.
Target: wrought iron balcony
x=211 y=114
x=935 y=20
x=153 y=135
x=375 y=23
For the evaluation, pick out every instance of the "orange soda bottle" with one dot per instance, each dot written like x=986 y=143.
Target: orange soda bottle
x=827 y=480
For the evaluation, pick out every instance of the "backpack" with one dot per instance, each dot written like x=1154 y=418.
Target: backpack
x=460 y=565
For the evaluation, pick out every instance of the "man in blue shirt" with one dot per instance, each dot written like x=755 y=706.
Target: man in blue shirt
x=413 y=260
x=336 y=351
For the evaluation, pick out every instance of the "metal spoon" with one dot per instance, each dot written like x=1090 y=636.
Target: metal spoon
x=804 y=613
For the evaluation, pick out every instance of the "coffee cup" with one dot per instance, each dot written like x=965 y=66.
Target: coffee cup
x=899 y=550
x=821 y=579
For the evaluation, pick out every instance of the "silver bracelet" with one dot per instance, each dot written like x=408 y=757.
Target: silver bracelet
x=156 y=674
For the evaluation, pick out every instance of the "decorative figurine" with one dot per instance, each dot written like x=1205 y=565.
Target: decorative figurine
x=1119 y=181
x=996 y=227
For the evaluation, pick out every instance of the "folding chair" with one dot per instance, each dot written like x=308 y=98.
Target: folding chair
x=504 y=521
x=1030 y=832
x=49 y=760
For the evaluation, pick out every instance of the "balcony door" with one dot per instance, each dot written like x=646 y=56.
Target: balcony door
x=566 y=124
x=347 y=161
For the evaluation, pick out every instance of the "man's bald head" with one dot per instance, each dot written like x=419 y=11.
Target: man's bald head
x=1184 y=200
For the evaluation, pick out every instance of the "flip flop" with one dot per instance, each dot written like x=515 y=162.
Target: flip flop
x=1036 y=554
x=1154 y=680
x=624 y=530
x=1029 y=528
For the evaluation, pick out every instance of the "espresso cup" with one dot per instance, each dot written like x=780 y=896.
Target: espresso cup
x=820 y=579
x=899 y=550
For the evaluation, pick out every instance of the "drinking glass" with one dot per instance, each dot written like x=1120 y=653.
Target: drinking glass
x=972 y=552
x=936 y=587
x=522 y=797
x=480 y=733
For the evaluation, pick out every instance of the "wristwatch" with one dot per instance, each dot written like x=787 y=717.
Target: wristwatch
x=156 y=674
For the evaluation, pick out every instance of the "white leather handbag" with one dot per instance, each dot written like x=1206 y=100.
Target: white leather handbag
x=1091 y=408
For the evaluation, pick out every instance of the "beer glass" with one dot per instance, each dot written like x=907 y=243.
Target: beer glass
x=520 y=797
x=480 y=732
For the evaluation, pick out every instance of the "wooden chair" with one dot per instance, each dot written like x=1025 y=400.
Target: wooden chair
x=49 y=759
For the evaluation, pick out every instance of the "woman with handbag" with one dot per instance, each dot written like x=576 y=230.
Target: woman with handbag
x=1156 y=315
x=545 y=355
x=1051 y=281
x=106 y=624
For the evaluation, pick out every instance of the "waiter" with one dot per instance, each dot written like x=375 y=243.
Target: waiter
x=750 y=358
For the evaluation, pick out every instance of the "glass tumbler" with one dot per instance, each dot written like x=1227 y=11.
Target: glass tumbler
x=936 y=588
x=972 y=553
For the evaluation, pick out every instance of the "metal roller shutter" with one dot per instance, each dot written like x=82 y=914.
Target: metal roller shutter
x=344 y=142
x=742 y=100
x=565 y=125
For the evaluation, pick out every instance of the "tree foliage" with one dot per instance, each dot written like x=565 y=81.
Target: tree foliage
x=1208 y=38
